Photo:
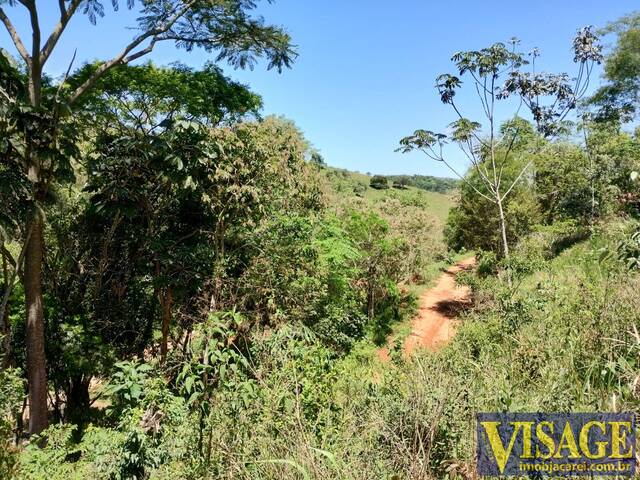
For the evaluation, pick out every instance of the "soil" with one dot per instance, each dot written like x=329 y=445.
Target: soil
x=436 y=321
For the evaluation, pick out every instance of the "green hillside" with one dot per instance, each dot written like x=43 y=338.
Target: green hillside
x=425 y=182
x=415 y=215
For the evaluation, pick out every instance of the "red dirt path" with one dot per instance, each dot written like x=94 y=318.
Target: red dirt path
x=438 y=308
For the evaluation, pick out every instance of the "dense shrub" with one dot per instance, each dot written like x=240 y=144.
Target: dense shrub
x=628 y=249
x=153 y=431
x=474 y=222
x=11 y=396
x=345 y=273
x=400 y=183
x=548 y=241
x=379 y=182
x=319 y=289
x=487 y=263
x=426 y=182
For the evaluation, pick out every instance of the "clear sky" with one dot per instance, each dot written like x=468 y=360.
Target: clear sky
x=365 y=75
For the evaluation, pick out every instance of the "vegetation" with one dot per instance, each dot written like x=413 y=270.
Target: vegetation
x=617 y=100
x=41 y=132
x=425 y=182
x=189 y=291
x=379 y=182
x=497 y=73
x=345 y=181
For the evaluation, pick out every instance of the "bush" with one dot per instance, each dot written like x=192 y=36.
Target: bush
x=487 y=263
x=318 y=290
x=628 y=250
x=379 y=182
x=11 y=396
x=401 y=183
x=548 y=241
x=359 y=190
x=144 y=438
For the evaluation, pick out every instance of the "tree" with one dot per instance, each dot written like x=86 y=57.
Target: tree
x=401 y=182
x=318 y=159
x=379 y=182
x=619 y=98
x=14 y=193
x=179 y=198
x=474 y=222
x=36 y=148
x=148 y=99
x=142 y=117
x=496 y=73
x=614 y=156
x=562 y=183
x=225 y=27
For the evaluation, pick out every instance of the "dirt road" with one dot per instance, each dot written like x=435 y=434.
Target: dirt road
x=438 y=308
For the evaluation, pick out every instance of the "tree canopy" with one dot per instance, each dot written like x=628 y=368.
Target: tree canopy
x=618 y=98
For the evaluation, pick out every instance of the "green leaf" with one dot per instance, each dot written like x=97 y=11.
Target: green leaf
x=136 y=391
x=188 y=384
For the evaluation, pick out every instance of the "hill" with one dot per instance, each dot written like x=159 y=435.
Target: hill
x=345 y=184
x=425 y=182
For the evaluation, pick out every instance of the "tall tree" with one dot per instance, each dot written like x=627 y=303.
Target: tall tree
x=497 y=73
x=619 y=98
x=151 y=107
x=222 y=26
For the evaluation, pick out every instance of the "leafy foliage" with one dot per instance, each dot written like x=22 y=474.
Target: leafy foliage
x=224 y=27
x=426 y=182
x=125 y=389
x=629 y=250
x=149 y=98
x=216 y=295
x=11 y=397
x=379 y=182
x=617 y=100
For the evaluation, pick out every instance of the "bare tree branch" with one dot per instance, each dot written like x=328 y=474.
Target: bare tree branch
x=462 y=117
x=125 y=56
x=461 y=177
x=66 y=75
x=524 y=169
x=6 y=95
x=17 y=41
x=35 y=30
x=7 y=254
x=65 y=16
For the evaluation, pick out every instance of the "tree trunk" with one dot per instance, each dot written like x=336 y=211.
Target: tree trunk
x=20 y=422
x=36 y=357
x=6 y=357
x=166 y=304
x=5 y=328
x=503 y=228
x=36 y=360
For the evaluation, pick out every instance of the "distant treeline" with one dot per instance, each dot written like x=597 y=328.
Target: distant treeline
x=424 y=182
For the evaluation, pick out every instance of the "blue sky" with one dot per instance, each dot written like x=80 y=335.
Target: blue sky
x=366 y=70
